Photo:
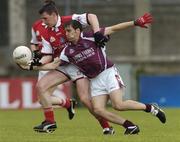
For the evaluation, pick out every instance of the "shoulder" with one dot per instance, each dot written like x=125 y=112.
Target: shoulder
x=37 y=23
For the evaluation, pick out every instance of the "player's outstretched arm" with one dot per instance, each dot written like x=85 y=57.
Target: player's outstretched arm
x=118 y=27
x=50 y=66
x=100 y=39
x=141 y=22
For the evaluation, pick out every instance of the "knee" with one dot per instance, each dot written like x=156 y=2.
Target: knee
x=118 y=106
x=84 y=99
x=98 y=111
x=40 y=86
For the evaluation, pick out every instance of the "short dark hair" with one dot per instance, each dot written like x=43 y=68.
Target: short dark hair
x=49 y=6
x=74 y=23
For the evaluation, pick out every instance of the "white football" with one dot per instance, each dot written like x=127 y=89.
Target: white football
x=22 y=55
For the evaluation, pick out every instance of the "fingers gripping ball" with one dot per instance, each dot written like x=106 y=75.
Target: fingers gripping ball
x=22 y=55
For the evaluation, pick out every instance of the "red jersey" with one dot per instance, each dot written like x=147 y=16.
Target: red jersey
x=56 y=39
x=38 y=30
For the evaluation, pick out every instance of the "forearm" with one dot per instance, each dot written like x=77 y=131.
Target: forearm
x=118 y=27
x=93 y=21
x=122 y=26
x=44 y=67
x=46 y=59
x=50 y=66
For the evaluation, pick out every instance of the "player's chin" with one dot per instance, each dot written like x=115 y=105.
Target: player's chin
x=71 y=39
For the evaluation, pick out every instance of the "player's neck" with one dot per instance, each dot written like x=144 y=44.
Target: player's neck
x=74 y=42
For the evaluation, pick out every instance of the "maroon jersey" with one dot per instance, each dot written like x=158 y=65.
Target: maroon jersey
x=89 y=58
x=56 y=39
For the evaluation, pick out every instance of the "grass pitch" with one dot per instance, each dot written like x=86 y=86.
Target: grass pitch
x=16 y=126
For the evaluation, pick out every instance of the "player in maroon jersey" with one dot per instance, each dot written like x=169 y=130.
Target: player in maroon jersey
x=106 y=82
x=57 y=98
x=53 y=43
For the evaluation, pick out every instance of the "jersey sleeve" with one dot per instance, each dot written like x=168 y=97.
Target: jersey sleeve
x=82 y=18
x=33 y=38
x=47 y=48
x=63 y=57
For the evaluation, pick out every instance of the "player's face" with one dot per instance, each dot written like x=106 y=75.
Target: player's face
x=49 y=20
x=72 y=34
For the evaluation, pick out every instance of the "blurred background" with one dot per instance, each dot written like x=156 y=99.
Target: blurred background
x=148 y=59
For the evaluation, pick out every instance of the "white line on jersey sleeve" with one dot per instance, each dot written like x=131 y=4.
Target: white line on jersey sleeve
x=47 y=48
x=82 y=18
x=33 y=38
x=87 y=38
x=63 y=56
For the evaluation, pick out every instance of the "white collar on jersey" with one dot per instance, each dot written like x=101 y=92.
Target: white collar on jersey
x=57 y=24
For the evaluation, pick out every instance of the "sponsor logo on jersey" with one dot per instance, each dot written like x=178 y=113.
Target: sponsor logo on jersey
x=52 y=39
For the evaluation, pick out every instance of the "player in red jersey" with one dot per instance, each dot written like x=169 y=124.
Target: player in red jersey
x=57 y=98
x=53 y=43
x=105 y=80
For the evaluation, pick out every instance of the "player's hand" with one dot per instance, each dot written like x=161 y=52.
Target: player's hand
x=56 y=62
x=100 y=39
x=144 y=20
x=37 y=54
x=34 y=62
x=53 y=65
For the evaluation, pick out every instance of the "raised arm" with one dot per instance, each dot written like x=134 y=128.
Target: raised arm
x=93 y=21
x=118 y=27
x=98 y=36
x=141 y=22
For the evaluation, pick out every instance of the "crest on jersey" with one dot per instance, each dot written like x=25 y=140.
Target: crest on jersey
x=62 y=40
x=52 y=39
x=37 y=33
x=71 y=51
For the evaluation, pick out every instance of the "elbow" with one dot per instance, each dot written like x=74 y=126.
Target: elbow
x=91 y=17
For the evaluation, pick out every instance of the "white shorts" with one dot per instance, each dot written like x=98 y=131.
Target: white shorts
x=71 y=71
x=106 y=82
x=41 y=74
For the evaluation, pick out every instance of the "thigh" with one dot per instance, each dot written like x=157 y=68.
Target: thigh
x=52 y=79
x=116 y=96
x=114 y=81
x=99 y=101
x=83 y=88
